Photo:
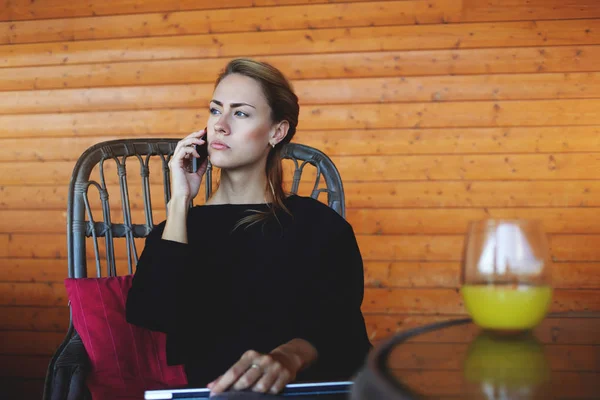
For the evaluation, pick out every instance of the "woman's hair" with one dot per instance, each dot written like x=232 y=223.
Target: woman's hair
x=284 y=107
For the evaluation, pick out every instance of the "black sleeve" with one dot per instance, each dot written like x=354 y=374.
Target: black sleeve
x=153 y=297
x=333 y=322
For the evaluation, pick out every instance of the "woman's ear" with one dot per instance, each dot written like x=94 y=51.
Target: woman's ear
x=280 y=132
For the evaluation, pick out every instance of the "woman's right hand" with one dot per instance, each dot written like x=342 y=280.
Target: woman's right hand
x=184 y=183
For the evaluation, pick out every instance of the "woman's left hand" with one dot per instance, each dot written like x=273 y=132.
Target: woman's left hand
x=265 y=373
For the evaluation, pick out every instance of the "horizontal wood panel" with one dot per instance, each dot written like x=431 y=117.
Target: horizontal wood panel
x=281 y=18
x=19 y=366
x=484 y=167
x=403 y=301
x=311 y=92
x=364 y=221
x=48 y=319
x=570 y=112
x=22 y=388
x=455 y=221
x=413 y=355
x=565 y=139
x=475 y=10
x=33 y=294
x=472 y=10
x=554 y=330
x=575 y=247
x=226 y=20
x=4 y=240
x=449 y=301
x=564 y=248
x=378 y=274
x=30 y=343
x=423 y=194
x=312 y=66
x=441 y=36
x=367 y=195
x=24 y=9
x=448 y=88
x=452 y=356
x=375 y=168
x=34 y=270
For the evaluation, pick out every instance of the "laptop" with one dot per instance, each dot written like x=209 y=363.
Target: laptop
x=333 y=390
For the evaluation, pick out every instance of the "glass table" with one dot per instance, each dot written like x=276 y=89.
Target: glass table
x=457 y=360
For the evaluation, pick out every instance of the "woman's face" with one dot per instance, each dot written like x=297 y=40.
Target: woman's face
x=239 y=125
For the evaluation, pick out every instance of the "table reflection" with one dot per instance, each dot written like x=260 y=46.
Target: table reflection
x=456 y=359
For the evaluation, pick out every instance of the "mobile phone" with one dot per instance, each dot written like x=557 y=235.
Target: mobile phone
x=202 y=151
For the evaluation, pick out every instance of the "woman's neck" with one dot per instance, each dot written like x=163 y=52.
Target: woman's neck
x=241 y=187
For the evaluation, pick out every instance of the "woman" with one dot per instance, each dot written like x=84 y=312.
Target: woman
x=255 y=289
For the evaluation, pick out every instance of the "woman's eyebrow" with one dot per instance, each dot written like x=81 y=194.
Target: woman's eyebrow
x=232 y=105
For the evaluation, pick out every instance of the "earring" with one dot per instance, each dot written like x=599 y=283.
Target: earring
x=273 y=145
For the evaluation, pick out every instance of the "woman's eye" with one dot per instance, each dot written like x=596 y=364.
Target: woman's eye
x=240 y=114
x=214 y=111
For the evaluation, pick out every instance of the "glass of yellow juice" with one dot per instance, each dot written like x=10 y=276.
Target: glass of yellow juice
x=506 y=283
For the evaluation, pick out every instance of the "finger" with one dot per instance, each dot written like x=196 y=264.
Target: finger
x=188 y=142
x=235 y=372
x=213 y=383
x=189 y=138
x=270 y=369
x=182 y=154
x=250 y=377
x=196 y=134
x=268 y=378
x=280 y=383
x=202 y=167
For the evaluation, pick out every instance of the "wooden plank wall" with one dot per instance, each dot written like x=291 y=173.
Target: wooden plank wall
x=435 y=111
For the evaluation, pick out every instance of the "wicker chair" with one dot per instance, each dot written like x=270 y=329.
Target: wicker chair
x=69 y=366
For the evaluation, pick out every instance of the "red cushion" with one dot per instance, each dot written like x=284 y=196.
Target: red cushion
x=125 y=358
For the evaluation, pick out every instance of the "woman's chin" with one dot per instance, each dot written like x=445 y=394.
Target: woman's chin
x=226 y=162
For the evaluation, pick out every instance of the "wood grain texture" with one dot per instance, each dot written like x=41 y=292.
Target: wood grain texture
x=554 y=139
x=378 y=274
x=248 y=18
x=436 y=112
x=24 y=10
x=514 y=167
x=523 y=113
x=440 y=36
x=29 y=343
x=471 y=9
x=36 y=319
x=364 y=221
x=371 y=195
x=377 y=300
x=314 y=92
x=543 y=59
x=420 y=247
x=239 y=19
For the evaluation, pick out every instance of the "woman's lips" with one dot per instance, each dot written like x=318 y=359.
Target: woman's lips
x=219 y=146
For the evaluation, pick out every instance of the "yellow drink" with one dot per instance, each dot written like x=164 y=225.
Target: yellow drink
x=507 y=307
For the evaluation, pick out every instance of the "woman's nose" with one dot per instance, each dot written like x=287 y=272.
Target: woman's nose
x=221 y=126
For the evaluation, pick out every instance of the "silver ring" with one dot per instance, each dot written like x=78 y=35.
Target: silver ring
x=254 y=365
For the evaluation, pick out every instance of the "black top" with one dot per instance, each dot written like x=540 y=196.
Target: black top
x=254 y=288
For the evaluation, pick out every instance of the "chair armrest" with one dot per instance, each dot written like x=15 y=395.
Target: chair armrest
x=70 y=372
